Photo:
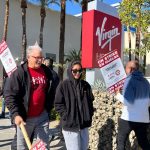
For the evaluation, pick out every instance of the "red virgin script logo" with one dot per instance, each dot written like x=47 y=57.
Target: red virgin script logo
x=106 y=36
x=101 y=33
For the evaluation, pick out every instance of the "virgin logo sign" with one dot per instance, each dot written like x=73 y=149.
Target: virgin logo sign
x=106 y=36
x=101 y=34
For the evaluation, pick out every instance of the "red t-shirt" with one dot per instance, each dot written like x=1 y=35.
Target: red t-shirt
x=37 y=93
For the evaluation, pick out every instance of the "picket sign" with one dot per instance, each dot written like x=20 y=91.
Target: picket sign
x=112 y=71
x=7 y=58
x=39 y=145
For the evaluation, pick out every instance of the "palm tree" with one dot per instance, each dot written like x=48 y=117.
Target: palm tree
x=43 y=4
x=84 y=4
x=73 y=55
x=24 y=38
x=6 y=20
x=129 y=38
x=62 y=38
x=145 y=48
x=43 y=15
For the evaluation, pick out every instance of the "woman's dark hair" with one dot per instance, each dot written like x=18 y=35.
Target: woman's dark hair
x=75 y=62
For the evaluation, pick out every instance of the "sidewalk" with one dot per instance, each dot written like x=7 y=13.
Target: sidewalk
x=7 y=134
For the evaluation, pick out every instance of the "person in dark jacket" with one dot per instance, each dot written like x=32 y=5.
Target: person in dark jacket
x=49 y=63
x=3 y=101
x=74 y=103
x=29 y=97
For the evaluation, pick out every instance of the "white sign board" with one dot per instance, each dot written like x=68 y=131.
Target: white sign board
x=7 y=59
x=112 y=71
x=103 y=7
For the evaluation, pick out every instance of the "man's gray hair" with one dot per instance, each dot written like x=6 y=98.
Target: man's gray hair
x=31 y=48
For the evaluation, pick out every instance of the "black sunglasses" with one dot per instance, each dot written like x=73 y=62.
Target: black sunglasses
x=77 y=71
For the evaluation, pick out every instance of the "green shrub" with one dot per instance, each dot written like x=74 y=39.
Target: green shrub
x=54 y=115
x=0 y=102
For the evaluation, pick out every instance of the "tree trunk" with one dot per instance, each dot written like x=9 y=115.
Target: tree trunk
x=84 y=9
x=84 y=5
x=144 y=63
x=24 y=38
x=137 y=45
x=129 y=37
x=43 y=15
x=138 y=38
x=6 y=20
x=62 y=38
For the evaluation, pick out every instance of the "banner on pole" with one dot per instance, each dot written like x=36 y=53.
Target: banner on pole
x=112 y=71
x=7 y=58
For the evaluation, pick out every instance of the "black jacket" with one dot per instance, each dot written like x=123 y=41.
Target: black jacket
x=74 y=103
x=55 y=77
x=3 y=85
x=17 y=92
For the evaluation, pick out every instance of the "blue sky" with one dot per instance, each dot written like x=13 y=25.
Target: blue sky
x=75 y=8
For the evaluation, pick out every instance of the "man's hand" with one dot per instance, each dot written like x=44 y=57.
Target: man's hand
x=19 y=120
x=118 y=90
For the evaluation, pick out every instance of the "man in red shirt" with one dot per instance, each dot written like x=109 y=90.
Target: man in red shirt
x=29 y=97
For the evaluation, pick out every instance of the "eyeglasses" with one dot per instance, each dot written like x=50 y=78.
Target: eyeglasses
x=37 y=58
x=75 y=71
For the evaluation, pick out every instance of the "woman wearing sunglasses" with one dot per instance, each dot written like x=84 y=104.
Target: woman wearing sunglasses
x=74 y=103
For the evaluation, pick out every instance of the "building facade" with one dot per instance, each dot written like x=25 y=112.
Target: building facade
x=50 y=34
